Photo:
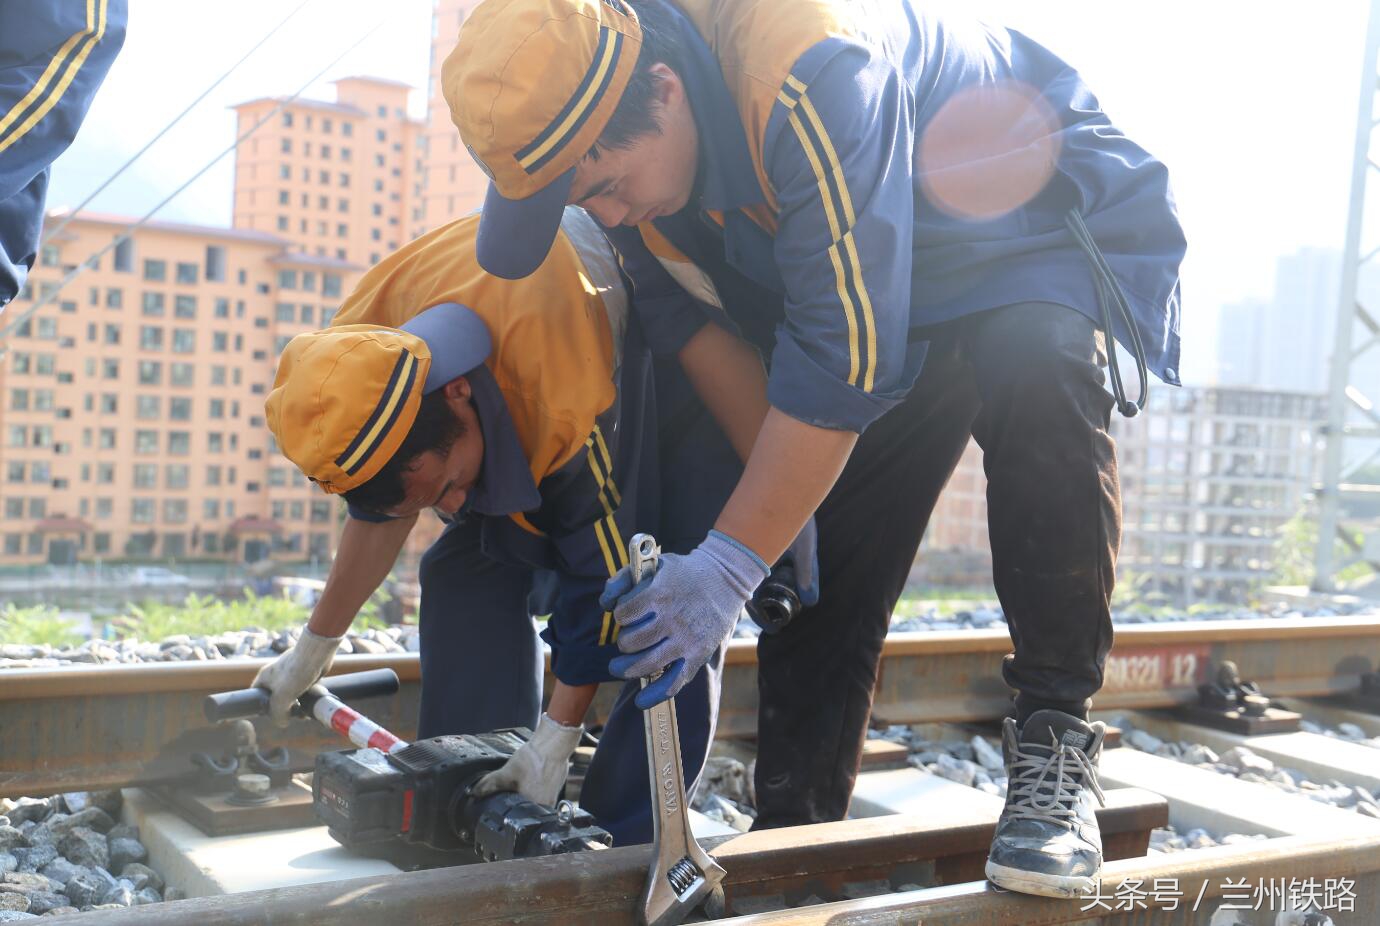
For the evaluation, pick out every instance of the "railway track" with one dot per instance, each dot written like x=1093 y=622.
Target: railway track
x=136 y=725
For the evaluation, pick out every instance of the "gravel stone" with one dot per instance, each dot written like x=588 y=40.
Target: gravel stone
x=86 y=889
x=958 y=770
x=147 y=895
x=726 y=777
x=40 y=902
x=13 y=900
x=8 y=862
x=134 y=871
x=15 y=916
x=11 y=838
x=60 y=911
x=34 y=859
x=26 y=882
x=1240 y=757
x=987 y=755
x=61 y=870
x=124 y=851
x=119 y=895
x=87 y=847
x=26 y=808
x=1198 y=754
x=123 y=831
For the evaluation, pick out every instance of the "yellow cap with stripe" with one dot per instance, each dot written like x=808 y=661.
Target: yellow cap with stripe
x=531 y=85
x=344 y=399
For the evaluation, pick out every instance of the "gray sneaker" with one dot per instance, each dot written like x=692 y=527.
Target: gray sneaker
x=1047 y=841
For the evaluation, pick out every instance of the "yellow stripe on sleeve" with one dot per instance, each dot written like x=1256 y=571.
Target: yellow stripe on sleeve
x=63 y=61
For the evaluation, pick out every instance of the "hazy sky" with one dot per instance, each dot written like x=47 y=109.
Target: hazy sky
x=1252 y=105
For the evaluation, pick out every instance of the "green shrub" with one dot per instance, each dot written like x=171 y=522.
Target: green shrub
x=36 y=625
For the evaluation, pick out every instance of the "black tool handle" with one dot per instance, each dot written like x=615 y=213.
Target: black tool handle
x=253 y=702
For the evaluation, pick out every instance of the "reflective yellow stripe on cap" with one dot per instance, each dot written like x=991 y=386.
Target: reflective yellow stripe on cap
x=385 y=415
x=573 y=115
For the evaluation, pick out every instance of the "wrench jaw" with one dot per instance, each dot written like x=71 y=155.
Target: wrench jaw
x=670 y=898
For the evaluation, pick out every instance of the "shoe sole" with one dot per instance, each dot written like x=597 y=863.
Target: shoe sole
x=1030 y=882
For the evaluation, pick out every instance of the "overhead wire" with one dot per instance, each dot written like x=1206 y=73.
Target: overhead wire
x=50 y=235
x=124 y=236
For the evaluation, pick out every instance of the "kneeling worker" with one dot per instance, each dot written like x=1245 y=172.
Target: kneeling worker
x=525 y=414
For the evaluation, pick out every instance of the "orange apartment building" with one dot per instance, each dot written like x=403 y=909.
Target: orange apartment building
x=131 y=411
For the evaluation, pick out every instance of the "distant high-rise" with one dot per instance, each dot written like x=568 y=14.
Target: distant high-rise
x=341 y=180
x=454 y=185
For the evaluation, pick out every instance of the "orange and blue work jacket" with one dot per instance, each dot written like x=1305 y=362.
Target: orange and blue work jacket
x=565 y=403
x=868 y=170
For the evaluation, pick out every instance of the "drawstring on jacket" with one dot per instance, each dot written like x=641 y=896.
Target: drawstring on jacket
x=1109 y=291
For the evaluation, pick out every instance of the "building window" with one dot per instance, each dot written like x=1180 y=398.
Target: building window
x=110 y=403
x=306 y=314
x=179 y=442
x=48 y=256
x=215 y=442
x=141 y=510
x=283 y=198
x=287 y=146
x=222 y=309
x=325 y=152
x=184 y=306
x=347 y=129
x=344 y=180
x=215 y=263
x=287 y=120
x=110 y=368
x=150 y=337
x=175 y=476
x=217 y=408
x=14 y=509
x=124 y=255
x=284 y=172
x=182 y=374
x=213 y=475
x=107 y=442
x=145 y=475
x=184 y=341
x=210 y=510
x=284 y=312
x=187 y=273
x=218 y=375
x=105 y=507
x=342 y=230
x=155 y=271
x=148 y=407
x=220 y=342
x=150 y=373
x=112 y=335
x=180 y=409
x=19 y=400
x=114 y=298
x=377 y=209
x=153 y=305
x=282 y=223
x=145 y=441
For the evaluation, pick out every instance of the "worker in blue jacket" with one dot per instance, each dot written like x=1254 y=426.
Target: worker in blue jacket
x=931 y=231
x=53 y=58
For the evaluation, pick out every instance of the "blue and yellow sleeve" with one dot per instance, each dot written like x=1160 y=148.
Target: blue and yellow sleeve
x=838 y=154
x=53 y=58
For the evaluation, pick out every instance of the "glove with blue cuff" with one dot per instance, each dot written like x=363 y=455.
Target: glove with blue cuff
x=678 y=618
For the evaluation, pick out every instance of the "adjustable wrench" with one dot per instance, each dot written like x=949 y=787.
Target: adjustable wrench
x=682 y=875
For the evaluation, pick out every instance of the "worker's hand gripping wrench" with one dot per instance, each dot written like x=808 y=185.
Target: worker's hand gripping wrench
x=682 y=875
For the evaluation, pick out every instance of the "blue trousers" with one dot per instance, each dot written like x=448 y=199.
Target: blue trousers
x=481 y=658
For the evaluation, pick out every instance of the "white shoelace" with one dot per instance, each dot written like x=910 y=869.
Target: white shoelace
x=1032 y=771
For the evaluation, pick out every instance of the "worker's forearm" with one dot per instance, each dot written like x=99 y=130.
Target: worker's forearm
x=728 y=376
x=367 y=551
x=570 y=703
x=792 y=467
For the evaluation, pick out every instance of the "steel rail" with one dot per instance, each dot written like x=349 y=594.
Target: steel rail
x=87 y=727
x=605 y=888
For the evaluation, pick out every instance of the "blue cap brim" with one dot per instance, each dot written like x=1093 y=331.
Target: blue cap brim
x=516 y=234
x=457 y=337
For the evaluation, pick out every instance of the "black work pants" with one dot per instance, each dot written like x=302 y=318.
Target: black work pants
x=1026 y=382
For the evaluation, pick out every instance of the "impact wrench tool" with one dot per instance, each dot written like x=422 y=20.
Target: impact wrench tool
x=682 y=875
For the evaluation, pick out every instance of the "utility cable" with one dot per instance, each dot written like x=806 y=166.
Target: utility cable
x=129 y=232
x=138 y=154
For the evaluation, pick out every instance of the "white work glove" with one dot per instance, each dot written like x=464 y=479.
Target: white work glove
x=538 y=769
x=295 y=671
